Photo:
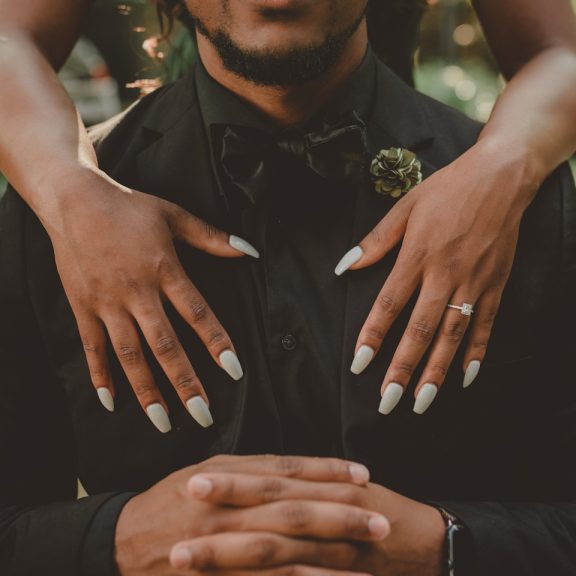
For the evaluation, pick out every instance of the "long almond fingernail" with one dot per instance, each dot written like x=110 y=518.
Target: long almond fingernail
x=242 y=246
x=106 y=398
x=392 y=395
x=362 y=359
x=199 y=411
x=349 y=259
x=229 y=361
x=159 y=417
x=425 y=398
x=471 y=373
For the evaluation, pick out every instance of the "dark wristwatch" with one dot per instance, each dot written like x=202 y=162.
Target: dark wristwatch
x=455 y=530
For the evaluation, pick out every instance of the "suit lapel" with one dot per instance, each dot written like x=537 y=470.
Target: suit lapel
x=399 y=120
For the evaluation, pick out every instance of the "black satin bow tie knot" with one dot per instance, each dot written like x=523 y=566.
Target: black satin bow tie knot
x=253 y=159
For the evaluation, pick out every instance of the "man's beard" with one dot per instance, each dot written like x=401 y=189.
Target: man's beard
x=279 y=68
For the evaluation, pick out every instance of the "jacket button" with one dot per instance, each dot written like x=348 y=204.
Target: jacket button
x=289 y=342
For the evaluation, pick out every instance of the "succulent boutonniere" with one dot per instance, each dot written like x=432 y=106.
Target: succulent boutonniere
x=395 y=171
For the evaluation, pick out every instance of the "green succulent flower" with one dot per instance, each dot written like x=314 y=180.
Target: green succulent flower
x=395 y=171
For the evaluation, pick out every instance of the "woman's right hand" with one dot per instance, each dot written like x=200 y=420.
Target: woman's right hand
x=116 y=258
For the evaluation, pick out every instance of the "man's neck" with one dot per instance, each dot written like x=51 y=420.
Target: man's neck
x=288 y=105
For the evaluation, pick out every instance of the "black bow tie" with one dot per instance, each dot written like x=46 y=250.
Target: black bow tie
x=252 y=159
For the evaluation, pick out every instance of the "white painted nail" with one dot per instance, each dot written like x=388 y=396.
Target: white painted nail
x=229 y=361
x=106 y=398
x=471 y=373
x=349 y=259
x=242 y=246
x=199 y=411
x=361 y=359
x=425 y=398
x=159 y=417
x=390 y=398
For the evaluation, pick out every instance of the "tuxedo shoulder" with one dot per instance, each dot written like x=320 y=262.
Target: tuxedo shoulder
x=157 y=109
x=416 y=121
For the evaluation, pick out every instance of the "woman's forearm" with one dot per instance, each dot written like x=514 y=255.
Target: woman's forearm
x=41 y=135
x=534 y=120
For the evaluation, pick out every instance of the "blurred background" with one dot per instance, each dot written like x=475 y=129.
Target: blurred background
x=119 y=58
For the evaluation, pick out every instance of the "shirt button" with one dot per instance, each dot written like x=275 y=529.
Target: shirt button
x=289 y=342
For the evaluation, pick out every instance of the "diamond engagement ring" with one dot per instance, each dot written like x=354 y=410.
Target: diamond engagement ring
x=465 y=309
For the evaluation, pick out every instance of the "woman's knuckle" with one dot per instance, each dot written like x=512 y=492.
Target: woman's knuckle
x=403 y=368
x=421 y=331
x=186 y=382
x=143 y=389
x=129 y=354
x=375 y=333
x=217 y=339
x=437 y=372
x=198 y=311
x=167 y=347
x=454 y=331
x=387 y=304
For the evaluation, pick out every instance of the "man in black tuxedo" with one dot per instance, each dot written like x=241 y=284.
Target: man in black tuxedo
x=231 y=139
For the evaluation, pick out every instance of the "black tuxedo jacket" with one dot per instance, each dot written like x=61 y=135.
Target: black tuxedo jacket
x=500 y=455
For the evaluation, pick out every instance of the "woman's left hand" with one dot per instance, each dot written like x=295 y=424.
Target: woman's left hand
x=459 y=231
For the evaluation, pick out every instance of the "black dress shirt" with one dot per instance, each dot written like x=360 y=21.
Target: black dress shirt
x=497 y=455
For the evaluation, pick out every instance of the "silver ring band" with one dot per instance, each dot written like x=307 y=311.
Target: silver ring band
x=466 y=309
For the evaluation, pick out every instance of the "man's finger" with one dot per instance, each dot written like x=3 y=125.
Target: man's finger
x=206 y=237
x=383 y=238
x=245 y=490
x=126 y=342
x=305 y=468
x=306 y=518
x=243 y=551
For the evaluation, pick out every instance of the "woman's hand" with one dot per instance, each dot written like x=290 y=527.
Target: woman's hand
x=115 y=255
x=459 y=231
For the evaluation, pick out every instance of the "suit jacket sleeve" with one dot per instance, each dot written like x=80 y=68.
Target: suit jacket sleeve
x=532 y=539
x=43 y=526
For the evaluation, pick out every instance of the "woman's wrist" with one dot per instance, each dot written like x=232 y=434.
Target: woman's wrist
x=524 y=170
x=65 y=188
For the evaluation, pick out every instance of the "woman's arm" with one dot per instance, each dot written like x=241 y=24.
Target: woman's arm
x=459 y=228
x=535 y=46
x=114 y=247
x=40 y=126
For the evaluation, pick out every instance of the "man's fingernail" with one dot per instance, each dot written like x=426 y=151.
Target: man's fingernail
x=229 y=361
x=199 y=411
x=359 y=473
x=159 y=417
x=425 y=398
x=362 y=358
x=180 y=558
x=350 y=258
x=471 y=373
x=242 y=246
x=379 y=526
x=106 y=398
x=200 y=486
x=390 y=398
